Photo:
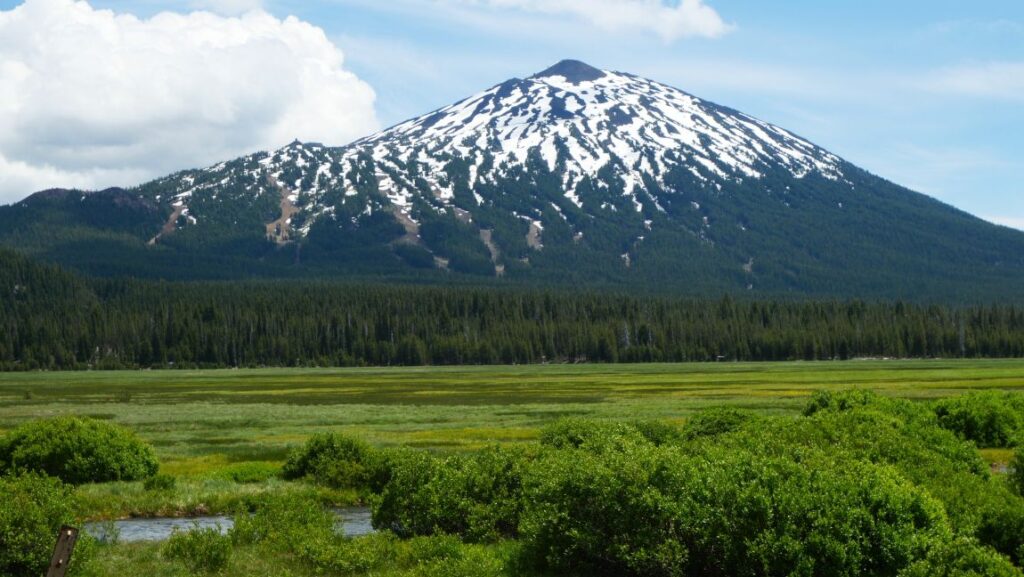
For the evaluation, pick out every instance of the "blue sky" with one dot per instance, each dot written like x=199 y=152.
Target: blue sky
x=929 y=94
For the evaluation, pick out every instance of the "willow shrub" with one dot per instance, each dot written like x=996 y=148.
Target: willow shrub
x=714 y=422
x=961 y=558
x=660 y=511
x=334 y=460
x=34 y=508
x=300 y=527
x=201 y=550
x=1016 y=473
x=78 y=450
x=907 y=436
x=283 y=522
x=476 y=496
x=595 y=435
x=989 y=419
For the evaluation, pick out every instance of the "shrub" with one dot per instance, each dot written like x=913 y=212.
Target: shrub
x=654 y=511
x=714 y=422
x=284 y=522
x=160 y=482
x=78 y=450
x=899 y=434
x=591 y=435
x=862 y=399
x=32 y=512
x=334 y=460
x=477 y=497
x=383 y=553
x=658 y=432
x=962 y=558
x=351 y=556
x=1016 y=472
x=447 y=556
x=839 y=401
x=989 y=419
x=1000 y=521
x=202 y=550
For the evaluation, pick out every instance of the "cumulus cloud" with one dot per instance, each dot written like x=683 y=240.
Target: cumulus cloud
x=231 y=7
x=92 y=98
x=670 y=20
x=996 y=80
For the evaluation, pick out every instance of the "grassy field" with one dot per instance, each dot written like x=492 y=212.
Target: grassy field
x=203 y=420
x=207 y=425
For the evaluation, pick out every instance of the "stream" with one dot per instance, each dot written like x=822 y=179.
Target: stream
x=352 y=522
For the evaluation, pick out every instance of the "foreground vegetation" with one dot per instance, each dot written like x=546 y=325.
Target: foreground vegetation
x=854 y=484
x=55 y=320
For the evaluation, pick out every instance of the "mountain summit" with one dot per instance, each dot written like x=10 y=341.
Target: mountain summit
x=573 y=71
x=574 y=175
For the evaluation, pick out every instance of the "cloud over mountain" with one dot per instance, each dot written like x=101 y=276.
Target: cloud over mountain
x=670 y=20
x=90 y=97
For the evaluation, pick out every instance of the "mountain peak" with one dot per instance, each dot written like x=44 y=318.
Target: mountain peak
x=572 y=70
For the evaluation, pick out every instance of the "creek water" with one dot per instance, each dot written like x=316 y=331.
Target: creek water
x=352 y=522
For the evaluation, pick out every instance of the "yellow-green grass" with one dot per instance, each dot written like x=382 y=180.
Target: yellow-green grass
x=148 y=559
x=193 y=497
x=205 y=424
x=998 y=457
x=200 y=421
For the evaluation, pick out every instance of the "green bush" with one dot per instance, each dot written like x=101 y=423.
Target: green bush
x=650 y=511
x=334 y=460
x=862 y=399
x=1016 y=472
x=839 y=401
x=962 y=558
x=284 y=522
x=989 y=419
x=658 y=432
x=383 y=553
x=160 y=482
x=714 y=422
x=447 y=556
x=597 y=436
x=32 y=510
x=201 y=550
x=906 y=436
x=77 y=450
x=477 y=497
x=351 y=556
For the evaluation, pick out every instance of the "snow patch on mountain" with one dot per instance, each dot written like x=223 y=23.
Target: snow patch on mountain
x=611 y=129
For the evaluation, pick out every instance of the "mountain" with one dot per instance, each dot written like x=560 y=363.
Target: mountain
x=574 y=177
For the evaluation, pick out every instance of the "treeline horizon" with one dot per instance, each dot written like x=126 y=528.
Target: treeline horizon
x=53 y=320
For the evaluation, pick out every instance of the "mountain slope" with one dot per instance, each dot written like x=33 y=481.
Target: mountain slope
x=574 y=176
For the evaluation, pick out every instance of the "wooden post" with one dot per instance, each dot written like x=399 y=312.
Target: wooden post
x=62 y=552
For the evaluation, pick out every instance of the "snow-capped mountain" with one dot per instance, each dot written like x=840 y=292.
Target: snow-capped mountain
x=581 y=120
x=613 y=129
x=573 y=175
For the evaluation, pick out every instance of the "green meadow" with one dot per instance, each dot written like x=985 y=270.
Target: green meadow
x=204 y=420
x=223 y=435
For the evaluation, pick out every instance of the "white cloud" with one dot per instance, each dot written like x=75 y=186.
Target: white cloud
x=671 y=21
x=91 y=98
x=996 y=80
x=230 y=7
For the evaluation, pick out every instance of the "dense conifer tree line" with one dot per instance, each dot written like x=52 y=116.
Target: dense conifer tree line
x=50 y=319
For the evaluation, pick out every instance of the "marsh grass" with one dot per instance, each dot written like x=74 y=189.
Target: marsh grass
x=259 y=415
x=222 y=432
x=195 y=497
